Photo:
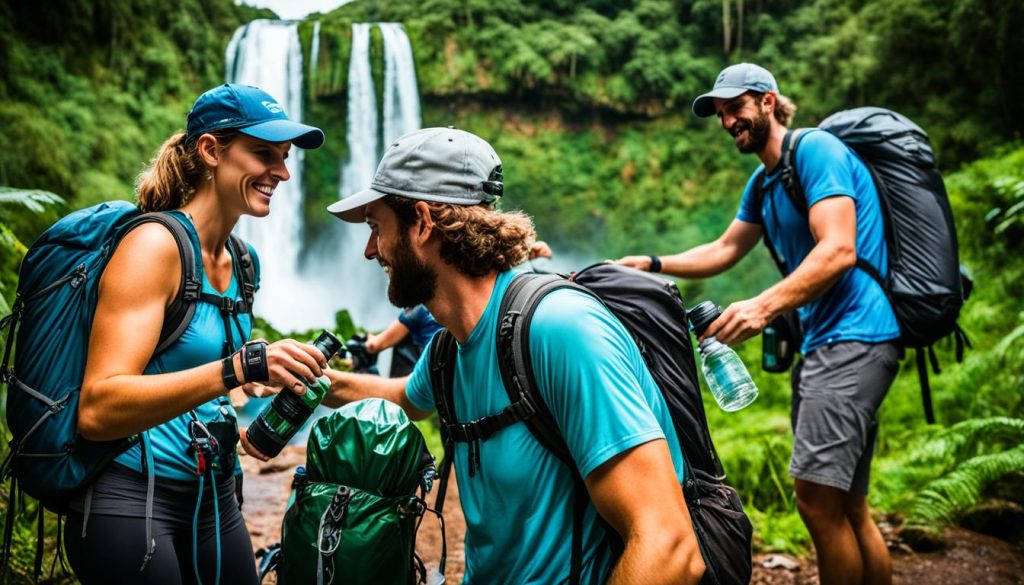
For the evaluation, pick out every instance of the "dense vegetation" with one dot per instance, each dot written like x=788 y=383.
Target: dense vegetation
x=587 y=102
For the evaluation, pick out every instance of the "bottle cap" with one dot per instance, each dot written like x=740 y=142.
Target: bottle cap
x=328 y=344
x=702 y=315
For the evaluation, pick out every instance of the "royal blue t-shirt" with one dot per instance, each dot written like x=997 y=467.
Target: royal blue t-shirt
x=518 y=504
x=855 y=308
x=420 y=323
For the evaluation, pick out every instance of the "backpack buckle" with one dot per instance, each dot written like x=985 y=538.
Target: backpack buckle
x=227 y=305
x=524 y=407
x=191 y=290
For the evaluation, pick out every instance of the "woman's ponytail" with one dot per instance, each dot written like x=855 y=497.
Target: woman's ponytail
x=172 y=176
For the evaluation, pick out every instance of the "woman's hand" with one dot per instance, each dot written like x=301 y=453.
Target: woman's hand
x=293 y=365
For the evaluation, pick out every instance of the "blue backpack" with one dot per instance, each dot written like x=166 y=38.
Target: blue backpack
x=56 y=298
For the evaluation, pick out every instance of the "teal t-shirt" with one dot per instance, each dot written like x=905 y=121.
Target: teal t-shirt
x=201 y=343
x=518 y=504
x=855 y=308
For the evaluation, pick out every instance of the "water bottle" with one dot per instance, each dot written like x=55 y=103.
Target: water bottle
x=724 y=372
x=286 y=413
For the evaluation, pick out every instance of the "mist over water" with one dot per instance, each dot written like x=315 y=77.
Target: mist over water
x=304 y=288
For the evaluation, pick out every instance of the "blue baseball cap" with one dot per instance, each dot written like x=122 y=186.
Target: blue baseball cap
x=733 y=81
x=251 y=111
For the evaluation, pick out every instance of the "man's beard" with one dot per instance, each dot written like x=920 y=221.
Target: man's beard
x=412 y=282
x=758 y=131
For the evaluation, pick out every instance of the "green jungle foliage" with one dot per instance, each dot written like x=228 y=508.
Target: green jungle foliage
x=588 y=104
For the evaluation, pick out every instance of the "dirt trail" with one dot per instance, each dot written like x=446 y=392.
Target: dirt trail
x=971 y=558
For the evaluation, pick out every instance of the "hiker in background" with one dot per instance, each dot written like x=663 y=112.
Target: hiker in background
x=443 y=244
x=149 y=504
x=849 y=355
x=414 y=321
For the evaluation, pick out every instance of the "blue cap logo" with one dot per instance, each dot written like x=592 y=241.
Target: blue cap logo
x=273 y=107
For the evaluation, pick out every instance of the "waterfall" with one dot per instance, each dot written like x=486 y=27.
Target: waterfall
x=267 y=54
x=314 y=56
x=401 y=114
x=401 y=96
x=303 y=288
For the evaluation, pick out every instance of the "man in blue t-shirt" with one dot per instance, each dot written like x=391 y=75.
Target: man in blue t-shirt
x=436 y=233
x=849 y=327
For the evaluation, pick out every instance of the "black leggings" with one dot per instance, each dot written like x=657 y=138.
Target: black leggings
x=115 y=542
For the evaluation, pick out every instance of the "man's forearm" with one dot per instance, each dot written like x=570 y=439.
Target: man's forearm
x=349 y=387
x=702 y=261
x=658 y=559
x=820 y=270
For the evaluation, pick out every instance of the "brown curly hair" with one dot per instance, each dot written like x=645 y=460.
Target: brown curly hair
x=475 y=239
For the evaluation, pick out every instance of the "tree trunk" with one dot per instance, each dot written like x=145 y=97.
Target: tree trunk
x=726 y=27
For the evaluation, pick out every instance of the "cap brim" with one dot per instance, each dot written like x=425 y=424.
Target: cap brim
x=704 y=105
x=353 y=208
x=300 y=135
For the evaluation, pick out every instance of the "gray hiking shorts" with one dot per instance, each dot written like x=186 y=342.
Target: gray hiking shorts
x=837 y=390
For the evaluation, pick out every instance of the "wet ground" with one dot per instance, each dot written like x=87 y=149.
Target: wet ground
x=970 y=558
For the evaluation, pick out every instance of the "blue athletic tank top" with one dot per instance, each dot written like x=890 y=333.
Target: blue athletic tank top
x=202 y=342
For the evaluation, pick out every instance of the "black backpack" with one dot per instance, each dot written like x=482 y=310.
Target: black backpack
x=925 y=283
x=653 y=312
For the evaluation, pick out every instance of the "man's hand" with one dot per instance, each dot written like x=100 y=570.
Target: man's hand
x=638 y=262
x=739 y=322
x=247 y=448
x=540 y=249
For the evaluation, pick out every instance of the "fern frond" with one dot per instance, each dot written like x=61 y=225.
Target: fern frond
x=944 y=500
x=35 y=200
x=967 y=438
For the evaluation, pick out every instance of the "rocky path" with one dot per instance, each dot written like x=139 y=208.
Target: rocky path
x=971 y=558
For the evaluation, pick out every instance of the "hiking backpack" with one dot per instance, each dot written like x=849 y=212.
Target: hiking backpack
x=652 y=310
x=925 y=284
x=358 y=502
x=51 y=321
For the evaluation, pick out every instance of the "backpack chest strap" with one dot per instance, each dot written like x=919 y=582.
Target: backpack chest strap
x=486 y=427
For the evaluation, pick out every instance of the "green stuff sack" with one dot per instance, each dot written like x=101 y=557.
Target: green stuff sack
x=356 y=508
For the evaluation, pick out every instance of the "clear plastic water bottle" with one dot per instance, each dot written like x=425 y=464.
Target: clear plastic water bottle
x=724 y=372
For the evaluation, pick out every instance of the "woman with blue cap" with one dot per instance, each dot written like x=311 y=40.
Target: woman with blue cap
x=165 y=510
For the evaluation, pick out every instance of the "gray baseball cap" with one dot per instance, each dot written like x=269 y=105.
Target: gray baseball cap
x=733 y=81
x=445 y=165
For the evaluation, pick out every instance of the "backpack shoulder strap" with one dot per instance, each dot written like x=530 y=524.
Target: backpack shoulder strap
x=759 y=197
x=179 y=314
x=517 y=309
x=789 y=176
x=247 y=271
x=443 y=352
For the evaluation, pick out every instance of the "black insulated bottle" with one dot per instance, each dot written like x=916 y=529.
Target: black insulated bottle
x=287 y=412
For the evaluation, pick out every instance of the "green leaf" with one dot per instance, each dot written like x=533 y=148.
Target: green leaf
x=33 y=199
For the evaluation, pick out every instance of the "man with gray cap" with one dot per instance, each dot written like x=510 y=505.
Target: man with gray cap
x=848 y=324
x=435 y=232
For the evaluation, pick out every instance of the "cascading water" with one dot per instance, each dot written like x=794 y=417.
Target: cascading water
x=304 y=288
x=267 y=54
x=401 y=115
x=401 y=96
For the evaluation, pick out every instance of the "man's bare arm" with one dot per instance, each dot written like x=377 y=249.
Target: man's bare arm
x=649 y=515
x=348 y=387
x=707 y=259
x=833 y=223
